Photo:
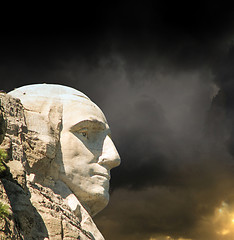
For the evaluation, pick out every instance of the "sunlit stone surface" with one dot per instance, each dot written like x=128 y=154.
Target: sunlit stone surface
x=63 y=157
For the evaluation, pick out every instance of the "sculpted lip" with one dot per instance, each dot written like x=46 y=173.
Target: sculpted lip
x=102 y=174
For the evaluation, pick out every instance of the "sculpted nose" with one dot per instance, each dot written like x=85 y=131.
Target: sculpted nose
x=110 y=157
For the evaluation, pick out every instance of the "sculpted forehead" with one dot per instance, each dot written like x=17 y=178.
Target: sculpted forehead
x=78 y=111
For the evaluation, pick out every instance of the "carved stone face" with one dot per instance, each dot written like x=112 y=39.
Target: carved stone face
x=88 y=153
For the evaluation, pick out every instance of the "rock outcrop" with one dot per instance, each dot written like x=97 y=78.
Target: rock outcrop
x=35 y=211
x=2 y=123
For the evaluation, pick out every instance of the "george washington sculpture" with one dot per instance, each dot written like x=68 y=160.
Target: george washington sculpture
x=71 y=152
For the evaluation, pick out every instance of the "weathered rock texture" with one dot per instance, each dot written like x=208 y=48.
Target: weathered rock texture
x=2 y=124
x=36 y=212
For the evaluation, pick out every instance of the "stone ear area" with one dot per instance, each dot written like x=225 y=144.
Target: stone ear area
x=35 y=211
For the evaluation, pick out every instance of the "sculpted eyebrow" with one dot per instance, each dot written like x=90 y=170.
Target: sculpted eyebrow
x=94 y=124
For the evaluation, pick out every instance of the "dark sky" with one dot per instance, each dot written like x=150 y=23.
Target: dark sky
x=163 y=74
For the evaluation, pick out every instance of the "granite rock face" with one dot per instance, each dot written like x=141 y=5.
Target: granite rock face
x=68 y=145
x=2 y=123
x=35 y=211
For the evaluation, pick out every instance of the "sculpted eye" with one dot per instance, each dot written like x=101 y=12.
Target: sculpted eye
x=84 y=134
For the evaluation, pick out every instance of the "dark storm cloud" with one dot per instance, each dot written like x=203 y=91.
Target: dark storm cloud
x=152 y=72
